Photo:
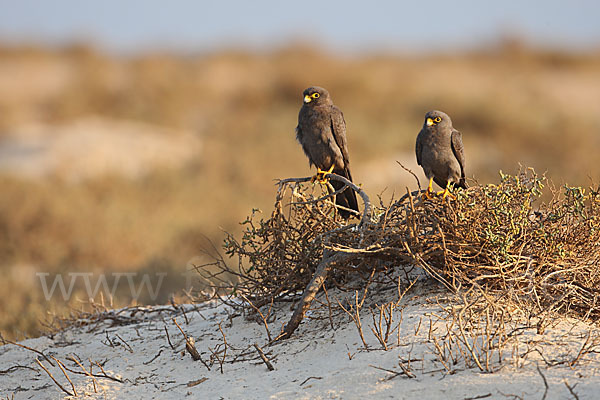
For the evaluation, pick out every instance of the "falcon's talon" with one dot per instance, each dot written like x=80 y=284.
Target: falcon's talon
x=321 y=171
x=427 y=194
x=321 y=175
x=446 y=193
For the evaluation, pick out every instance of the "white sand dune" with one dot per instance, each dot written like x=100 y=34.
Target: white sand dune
x=318 y=362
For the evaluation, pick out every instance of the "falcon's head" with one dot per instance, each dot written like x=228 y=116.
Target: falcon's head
x=316 y=95
x=436 y=119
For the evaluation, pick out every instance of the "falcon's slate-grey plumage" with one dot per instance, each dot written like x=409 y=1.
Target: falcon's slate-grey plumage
x=321 y=131
x=440 y=152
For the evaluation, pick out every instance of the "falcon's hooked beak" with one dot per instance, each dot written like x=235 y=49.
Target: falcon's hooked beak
x=307 y=99
x=429 y=121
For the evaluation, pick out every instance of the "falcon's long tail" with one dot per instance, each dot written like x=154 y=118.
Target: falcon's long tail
x=347 y=198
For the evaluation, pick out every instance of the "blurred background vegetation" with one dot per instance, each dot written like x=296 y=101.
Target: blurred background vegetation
x=130 y=163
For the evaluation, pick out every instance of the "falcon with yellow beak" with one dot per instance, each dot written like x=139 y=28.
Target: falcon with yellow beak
x=441 y=153
x=321 y=131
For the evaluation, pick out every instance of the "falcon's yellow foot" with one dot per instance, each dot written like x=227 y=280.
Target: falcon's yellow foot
x=446 y=193
x=427 y=195
x=321 y=175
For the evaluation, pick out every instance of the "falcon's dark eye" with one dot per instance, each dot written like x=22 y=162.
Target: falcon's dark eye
x=437 y=120
x=316 y=95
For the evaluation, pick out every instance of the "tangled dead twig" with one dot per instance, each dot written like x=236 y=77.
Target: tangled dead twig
x=100 y=317
x=354 y=313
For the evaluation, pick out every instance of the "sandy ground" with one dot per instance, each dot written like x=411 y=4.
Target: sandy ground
x=317 y=363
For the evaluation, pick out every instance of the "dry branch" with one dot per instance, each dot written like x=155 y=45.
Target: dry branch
x=169 y=338
x=545 y=383
x=310 y=292
x=355 y=316
x=264 y=358
x=190 y=346
x=52 y=377
x=62 y=368
x=367 y=210
x=103 y=375
x=262 y=317
x=89 y=374
x=28 y=348
x=572 y=390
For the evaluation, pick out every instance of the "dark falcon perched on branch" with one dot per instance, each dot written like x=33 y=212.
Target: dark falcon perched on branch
x=321 y=131
x=441 y=153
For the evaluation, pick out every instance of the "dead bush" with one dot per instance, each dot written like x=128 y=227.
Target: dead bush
x=539 y=258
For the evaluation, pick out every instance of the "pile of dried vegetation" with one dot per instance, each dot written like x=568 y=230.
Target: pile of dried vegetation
x=498 y=243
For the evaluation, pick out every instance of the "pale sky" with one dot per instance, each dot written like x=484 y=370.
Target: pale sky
x=188 y=25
